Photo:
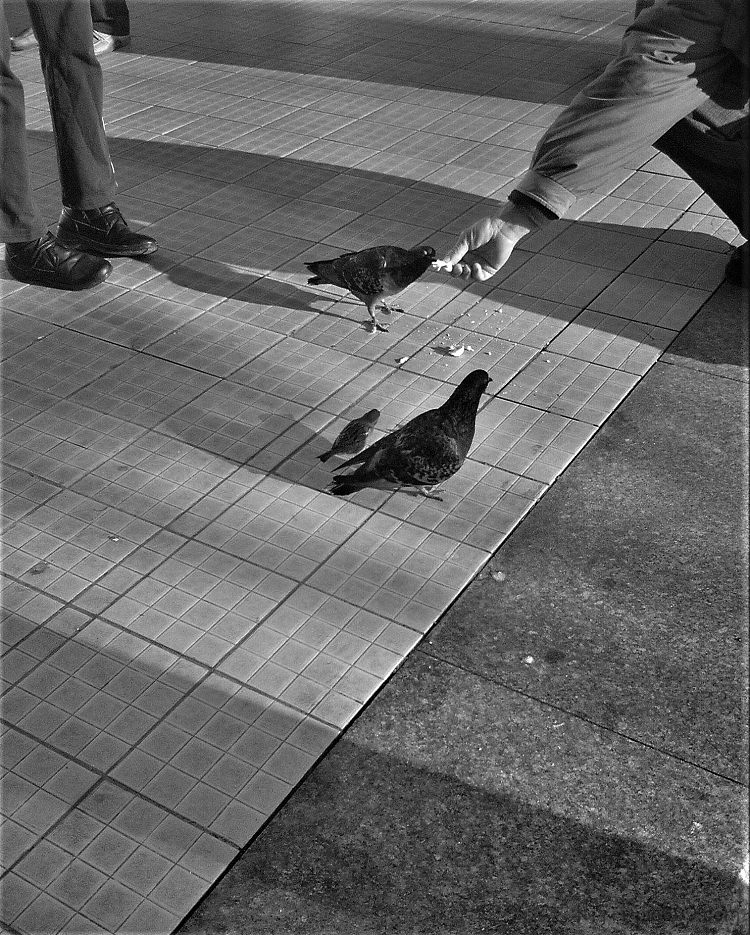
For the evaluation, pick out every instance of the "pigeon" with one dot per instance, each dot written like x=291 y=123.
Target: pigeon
x=351 y=439
x=374 y=274
x=425 y=451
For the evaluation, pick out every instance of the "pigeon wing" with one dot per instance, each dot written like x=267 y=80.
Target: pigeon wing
x=415 y=459
x=362 y=272
x=425 y=459
x=426 y=419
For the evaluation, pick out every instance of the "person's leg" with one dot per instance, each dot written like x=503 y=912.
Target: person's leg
x=19 y=220
x=717 y=159
x=75 y=90
x=711 y=145
x=111 y=17
x=32 y=254
x=90 y=220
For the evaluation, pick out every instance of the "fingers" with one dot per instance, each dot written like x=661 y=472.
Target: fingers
x=470 y=241
x=457 y=252
x=461 y=271
x=482 y=272
x=477 y=271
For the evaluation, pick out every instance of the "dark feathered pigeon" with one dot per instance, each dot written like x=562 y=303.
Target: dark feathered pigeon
x=374 y=274
x=353 y=436
x=426 y=451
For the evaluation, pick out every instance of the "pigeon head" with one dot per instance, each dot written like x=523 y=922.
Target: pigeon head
x=465 y=398
x=474 y=384
x=372 y=416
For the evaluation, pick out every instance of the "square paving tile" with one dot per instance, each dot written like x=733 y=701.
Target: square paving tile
x=299 y=372
x=589 y=392
x=527 y=441
x=144 y=390
x=676 y=263
x=650 y=300
x=566 y=281
x=64 y=441
x=520 y=319
x=613 y=342
x=63 y=362
x=214 y=344
x=57 y=307
x=20 y=332
x=284 y=527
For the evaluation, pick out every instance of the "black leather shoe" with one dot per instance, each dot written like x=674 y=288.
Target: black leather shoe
x=102 y=231
x=46 y=262
x=24 y=40
x=737 y=270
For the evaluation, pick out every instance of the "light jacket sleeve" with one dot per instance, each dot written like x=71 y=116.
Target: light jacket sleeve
x=673 y=59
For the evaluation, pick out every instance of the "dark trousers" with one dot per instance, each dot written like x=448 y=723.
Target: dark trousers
x=715 y=153
x=74 y=84
x=111 y=17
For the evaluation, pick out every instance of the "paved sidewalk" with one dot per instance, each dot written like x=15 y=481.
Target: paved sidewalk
x=567 y=751
x=190 y=621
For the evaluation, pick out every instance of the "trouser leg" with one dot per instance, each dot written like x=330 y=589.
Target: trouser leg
x=18 y=216
x=75 y=90
x=111 y=17
x=717 y=158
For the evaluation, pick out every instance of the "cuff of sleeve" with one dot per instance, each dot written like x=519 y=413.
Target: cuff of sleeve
x=548 y=193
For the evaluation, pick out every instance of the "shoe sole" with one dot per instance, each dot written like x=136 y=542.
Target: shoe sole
x=107 y=47
x=26 y=46
x=33 y=278
x=77 y=242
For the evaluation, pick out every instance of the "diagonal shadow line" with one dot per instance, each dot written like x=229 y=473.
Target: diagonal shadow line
x=392 y=832
x=157 y=153
x=365 y=37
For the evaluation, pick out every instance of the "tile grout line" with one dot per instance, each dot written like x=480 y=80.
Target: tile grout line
x=100 y=778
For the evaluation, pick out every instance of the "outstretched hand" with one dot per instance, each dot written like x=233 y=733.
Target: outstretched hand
x=482 y=249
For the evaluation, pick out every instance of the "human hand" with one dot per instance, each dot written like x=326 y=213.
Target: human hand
x=487 y=244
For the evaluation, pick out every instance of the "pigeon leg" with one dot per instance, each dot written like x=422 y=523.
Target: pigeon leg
x=429 y=492
x=375 y=322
